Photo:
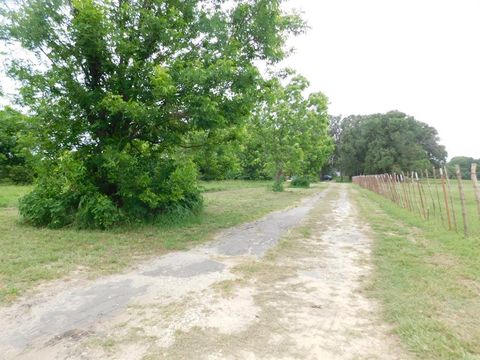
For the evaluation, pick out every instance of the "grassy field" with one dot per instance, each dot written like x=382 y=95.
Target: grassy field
x=209 y=186
x=473 y=217
x=9 y=194
x=428 y=279
x=31 y=255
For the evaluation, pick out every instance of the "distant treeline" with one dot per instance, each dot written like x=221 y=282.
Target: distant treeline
x=383 y=143
x=465 y=164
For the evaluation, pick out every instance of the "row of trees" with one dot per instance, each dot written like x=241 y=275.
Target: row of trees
x=127 y=97
x=384 y=143
x=286 y=135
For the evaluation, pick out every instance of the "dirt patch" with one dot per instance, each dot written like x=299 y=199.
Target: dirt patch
x=471 y=285
x=443 y=260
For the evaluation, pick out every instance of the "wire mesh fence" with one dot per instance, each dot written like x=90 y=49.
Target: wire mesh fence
x=432 y=195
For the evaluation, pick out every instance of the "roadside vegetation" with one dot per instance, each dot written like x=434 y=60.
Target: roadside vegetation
x=31 y=255
x=124 y=118
x=427 y=278
x=10 y=194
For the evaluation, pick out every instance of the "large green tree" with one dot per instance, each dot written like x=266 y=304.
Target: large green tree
x=393 y=141
x=289 y=131
x=119 y=85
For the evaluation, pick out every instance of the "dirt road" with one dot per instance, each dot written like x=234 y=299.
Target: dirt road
x=244 y=296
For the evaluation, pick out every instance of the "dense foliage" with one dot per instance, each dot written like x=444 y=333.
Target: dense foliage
x=120 y=87
x=286 y=136
x=289 y=131
x=15 y=147
x=217 y=157
x=300 y=182
x=391 y=142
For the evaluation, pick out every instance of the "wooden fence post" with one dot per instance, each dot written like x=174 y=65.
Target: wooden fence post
x=395 y=189
x=408 y=182
x=406 y=188
x=431 y=193
x=421 y=196
x=415 y=199
x=438 y=194
x=396 y=180
x=452 y=206
x=391 y=188
x=399 y=191
x=476 y=190
x=405 y=191
x=462 y=199
x=425 y=197
x=445 y=196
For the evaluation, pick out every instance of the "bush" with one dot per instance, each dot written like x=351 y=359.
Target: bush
x=300 y=182
x=97 y=211
x=123 y=189
x=278 y=186
x=20 y=174
x=48 y=204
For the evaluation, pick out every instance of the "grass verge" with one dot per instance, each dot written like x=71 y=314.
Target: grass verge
x=428 y=280
x=31 y=255
x=9 y=194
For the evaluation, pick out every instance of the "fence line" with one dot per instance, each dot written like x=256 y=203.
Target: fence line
x=419 y=193
x=475 y=186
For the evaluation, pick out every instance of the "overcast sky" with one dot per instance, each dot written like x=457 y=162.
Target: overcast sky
x=421 y=57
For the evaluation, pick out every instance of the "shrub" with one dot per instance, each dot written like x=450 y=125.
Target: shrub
x=20 y=174
x=125 y=188
x=300 y=182
x=97 y=211
x=278 y=186
x=48 y=204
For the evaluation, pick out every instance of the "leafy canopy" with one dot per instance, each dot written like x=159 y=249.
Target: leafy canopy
x=119 y=85
x=291 y=130
x=391 y=142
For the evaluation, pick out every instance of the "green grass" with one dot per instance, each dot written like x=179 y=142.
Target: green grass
x=31 y=255
x=428 y=279
x=9 y=194
x=212 y=186
x=435 y=210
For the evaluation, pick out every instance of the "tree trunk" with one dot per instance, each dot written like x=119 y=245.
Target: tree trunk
x=278 y=175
